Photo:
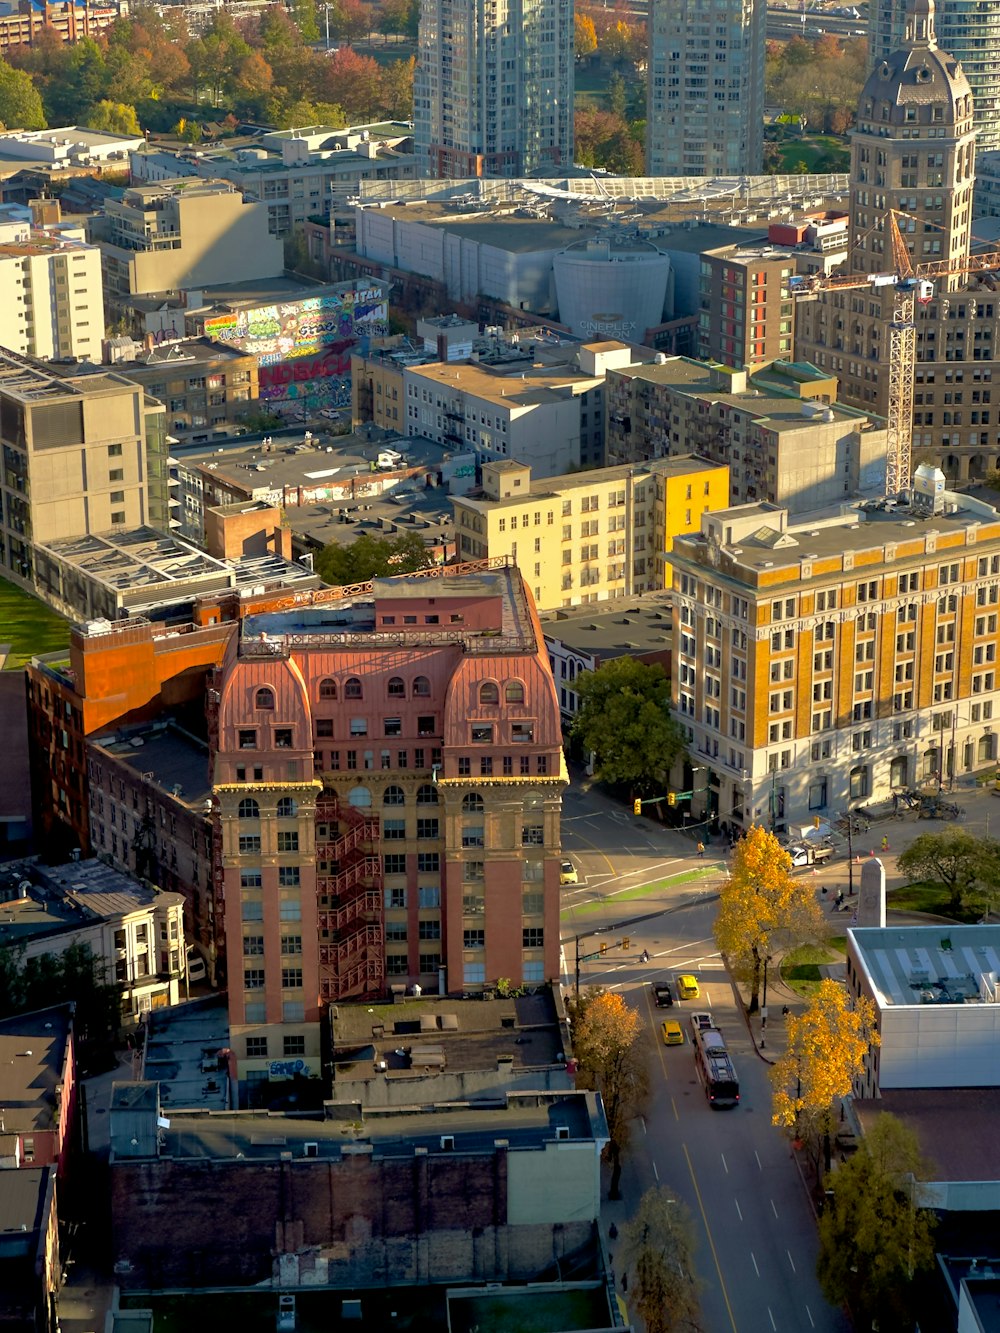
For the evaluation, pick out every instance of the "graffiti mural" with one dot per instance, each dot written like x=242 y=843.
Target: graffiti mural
x=307 y=327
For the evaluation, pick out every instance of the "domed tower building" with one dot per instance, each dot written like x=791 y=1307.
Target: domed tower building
x=914 y=151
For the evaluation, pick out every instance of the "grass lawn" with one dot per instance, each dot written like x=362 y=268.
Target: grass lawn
x=645 y=890
x=28 y=626
x=925 y=896
x=800 y=969
x=810 y=149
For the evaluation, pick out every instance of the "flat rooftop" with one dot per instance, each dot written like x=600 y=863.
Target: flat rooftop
x=182 y=1053
x=27 y=381
x=32 y=1059
x=22 y=1201
x=672 y=465
x=536 y=383
x=168 y=755
x=955 y=1127
x=920 y=965
x=525 y=1120
x=471 y=1034
x=333 y=620
x=167 y=568
x=613 y=628
x=292 y=461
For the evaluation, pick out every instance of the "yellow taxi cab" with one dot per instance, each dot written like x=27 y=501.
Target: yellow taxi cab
x=567 y=873
x=671 y=1032
x=687 y=987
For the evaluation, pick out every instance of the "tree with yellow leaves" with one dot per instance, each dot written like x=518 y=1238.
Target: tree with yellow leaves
x=605 y=1030
x=762 y=907
x=825 y=1052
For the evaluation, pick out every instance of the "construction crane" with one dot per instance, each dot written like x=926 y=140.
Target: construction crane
x=911 y=283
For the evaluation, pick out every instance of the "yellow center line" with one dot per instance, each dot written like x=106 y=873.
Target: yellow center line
x=711 y=1242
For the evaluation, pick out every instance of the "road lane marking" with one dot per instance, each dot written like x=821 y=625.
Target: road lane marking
x=656 y=1173
x=754 y=1258
x=759 y=1167
x=642 y=1121
x=790 y=1259
x=773 y=1209
x=674 y=1105
x=739 y=1210
x=708 y=1232
x=723 y=1156
x=812 y=1323
x=771 y=1317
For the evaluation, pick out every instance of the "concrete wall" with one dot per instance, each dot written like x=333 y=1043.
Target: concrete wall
x=940 y=1046
x=459 y=1086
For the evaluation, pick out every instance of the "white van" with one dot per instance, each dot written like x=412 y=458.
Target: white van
x=196 y=969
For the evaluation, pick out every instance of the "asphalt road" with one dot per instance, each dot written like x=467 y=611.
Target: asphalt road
x=756 y=1235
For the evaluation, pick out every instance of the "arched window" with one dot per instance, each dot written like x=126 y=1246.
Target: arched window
x=249 y=809
x=360 y=797
x=422 y=686
x=288 y=807
x=427 y=794
x=472 y=804
x=898 y=771
x=489 y=693
x=393 y=796
x=352 y=688
x=396 y=687
x=859 y=782
x=264 y=699
x=328 y=689
x=514 y=693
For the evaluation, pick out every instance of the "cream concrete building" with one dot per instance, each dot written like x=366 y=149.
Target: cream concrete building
x=589 y=536
x=834 y=661
x=82 y=454
x=50 y=298
x=550 y=418
x=780 y=429
x=182 y=235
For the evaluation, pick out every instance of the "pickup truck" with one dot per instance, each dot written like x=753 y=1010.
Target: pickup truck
x=662 y=994
x=803 y=855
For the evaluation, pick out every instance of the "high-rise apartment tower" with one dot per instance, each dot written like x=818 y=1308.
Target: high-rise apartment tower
x=705 y=98
x=493 y=90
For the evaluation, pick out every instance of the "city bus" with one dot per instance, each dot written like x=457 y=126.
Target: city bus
x=715 y=1068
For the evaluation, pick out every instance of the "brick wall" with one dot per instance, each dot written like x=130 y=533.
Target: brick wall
x=352 y=1222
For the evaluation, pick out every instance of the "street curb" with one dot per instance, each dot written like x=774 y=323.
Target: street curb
x=746 y=1017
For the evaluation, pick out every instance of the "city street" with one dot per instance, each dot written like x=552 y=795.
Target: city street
x=756 y=1235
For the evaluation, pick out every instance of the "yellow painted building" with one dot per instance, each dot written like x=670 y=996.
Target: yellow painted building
x=838 y=660
x=589 y=536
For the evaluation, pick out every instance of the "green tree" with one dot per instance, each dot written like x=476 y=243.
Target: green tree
x=54 y=978
x=397 y=88
x=617 y=95
x=624 y=719
x=874 y=1238
x=763 y=908
x=114 y=118
x=304 y=14
x=824 y=1053
x=605 y=1030
x=955 y=859
x=20 y=104
x=371 y=557
x=657 y=1252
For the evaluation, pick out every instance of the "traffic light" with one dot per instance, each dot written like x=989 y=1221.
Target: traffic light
x=604 y=947
x=637 y=806
x=671 y=798
x=626 y=941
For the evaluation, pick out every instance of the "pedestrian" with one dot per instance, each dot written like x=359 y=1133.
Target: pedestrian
x=895 y=802
x=885 y=843
x=701 y=849
x=785 y=1011
x=624 y=1281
